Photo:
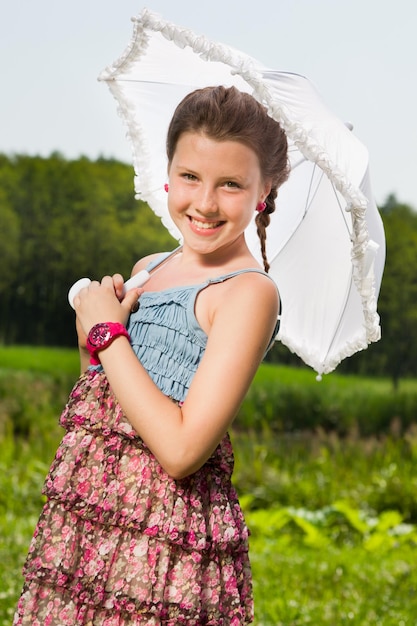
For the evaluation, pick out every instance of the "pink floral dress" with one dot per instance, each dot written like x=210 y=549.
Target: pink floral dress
x=120 y=542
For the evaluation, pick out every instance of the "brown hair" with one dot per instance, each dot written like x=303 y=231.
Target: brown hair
x=225 y=113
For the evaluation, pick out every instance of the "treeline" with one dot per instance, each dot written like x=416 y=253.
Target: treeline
x=62 y=219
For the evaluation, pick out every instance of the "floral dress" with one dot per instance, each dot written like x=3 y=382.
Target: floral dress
x=119 y=542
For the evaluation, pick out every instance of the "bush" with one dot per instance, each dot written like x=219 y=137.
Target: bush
x=291 y=400
x=30 y=403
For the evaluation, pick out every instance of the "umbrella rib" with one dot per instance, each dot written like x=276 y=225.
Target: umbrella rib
x=309 y=200
x=341 y=314
x=342 y=211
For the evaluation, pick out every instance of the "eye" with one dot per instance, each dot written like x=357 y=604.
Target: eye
x=188 y=176
x=231 y=184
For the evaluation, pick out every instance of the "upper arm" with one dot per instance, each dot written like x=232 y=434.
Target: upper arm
x=242 y=327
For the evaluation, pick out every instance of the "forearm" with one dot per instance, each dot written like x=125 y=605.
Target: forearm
x=84 y=354
x=156 y=418
x=84 y=359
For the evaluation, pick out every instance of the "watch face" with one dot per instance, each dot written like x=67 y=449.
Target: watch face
x=99 y=335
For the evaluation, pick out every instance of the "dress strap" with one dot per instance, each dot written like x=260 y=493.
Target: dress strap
x=221 y=279
x=165 y=256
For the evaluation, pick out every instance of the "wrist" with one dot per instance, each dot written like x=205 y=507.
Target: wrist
x=101 y=336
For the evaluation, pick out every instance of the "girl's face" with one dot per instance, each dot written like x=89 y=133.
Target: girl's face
x=214 y=188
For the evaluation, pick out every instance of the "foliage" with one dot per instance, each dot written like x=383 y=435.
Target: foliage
x=291 y=400
x=332 y=519
x=23 y=468
x=393 y=356
x=331 y=537
x=282 y=398
x=62 y=220
x=398 y=303
x=59 y=363
x=308 y=471
x=299 y=585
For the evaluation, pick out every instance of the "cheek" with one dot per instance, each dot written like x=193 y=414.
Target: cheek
x=178 y=195
x=177 y=206
x=247 y=213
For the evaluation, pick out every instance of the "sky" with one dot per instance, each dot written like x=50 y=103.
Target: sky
x=360 y=54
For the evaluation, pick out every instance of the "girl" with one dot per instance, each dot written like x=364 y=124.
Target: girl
x=142 y=525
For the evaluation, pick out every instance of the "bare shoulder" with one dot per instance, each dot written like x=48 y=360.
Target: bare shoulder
x=250 y=300
x=144 y=262
x=252 y=288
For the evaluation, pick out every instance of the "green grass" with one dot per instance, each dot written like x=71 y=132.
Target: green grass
x=291 y=400
x=298 y=586
x=314 y=470
x=23 y=467
x=333 y=518
x=52 y=361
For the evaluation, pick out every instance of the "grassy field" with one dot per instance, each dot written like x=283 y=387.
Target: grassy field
x=333 y=518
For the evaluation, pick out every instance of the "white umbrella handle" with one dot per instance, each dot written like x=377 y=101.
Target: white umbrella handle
x=137 y=280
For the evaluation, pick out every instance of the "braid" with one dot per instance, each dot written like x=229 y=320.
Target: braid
x=262 y=221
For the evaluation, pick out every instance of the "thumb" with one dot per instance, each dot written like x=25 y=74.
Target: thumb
x=131 y=298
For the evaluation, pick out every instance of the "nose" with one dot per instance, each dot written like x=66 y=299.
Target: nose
x=206 y=200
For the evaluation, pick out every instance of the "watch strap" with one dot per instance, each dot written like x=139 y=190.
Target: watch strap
x=101 y=335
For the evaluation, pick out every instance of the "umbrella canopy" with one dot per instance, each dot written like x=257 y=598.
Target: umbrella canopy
x=325 y=243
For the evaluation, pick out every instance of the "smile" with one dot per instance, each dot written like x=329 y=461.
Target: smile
x=205 y=225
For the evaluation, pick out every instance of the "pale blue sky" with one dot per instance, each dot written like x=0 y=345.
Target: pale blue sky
x=361 y=54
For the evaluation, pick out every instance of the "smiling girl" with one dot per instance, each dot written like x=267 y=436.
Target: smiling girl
x=142 y=525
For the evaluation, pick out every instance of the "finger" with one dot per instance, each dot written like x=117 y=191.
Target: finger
x=83 y=292
x=106 y=284
x=130 y=301
x=107 y=281
x=118 y=283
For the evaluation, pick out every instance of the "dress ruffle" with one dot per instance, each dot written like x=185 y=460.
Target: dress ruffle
x=167 y=338
x=121 y=543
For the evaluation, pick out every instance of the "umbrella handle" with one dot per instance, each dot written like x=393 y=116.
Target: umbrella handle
x=137 y=280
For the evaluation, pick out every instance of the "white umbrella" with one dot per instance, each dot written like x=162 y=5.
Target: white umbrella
x=325 y=243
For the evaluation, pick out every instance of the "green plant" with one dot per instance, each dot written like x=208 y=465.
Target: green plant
x=332 y=516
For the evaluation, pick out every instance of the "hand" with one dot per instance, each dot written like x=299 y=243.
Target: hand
x=103 y=302
x=82 y=337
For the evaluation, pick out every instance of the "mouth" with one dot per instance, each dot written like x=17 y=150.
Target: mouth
x=204 y=225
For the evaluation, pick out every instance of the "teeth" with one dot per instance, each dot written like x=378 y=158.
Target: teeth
x=205 y=225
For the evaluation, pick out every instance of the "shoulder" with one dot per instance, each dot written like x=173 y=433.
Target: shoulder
x=243 y=316
x=252 y=286
x=144 y=262
x=254 y=290
x=248 y=302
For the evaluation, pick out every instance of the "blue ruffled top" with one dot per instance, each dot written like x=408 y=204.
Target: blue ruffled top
x=166 y=336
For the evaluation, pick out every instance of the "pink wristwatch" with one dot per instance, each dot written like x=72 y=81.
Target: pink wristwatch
x=101 y=335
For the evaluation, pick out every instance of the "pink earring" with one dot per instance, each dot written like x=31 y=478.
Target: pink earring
x=261 y=207
x=166 y=187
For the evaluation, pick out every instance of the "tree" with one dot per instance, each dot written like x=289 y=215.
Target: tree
x=77 y=218
x=398 y=298
x=9 y=257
